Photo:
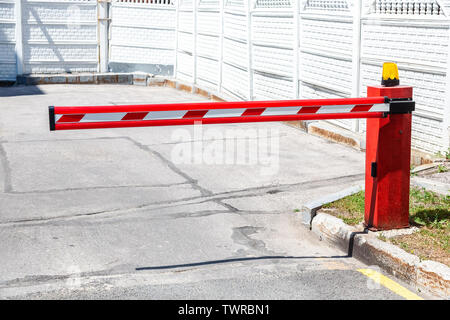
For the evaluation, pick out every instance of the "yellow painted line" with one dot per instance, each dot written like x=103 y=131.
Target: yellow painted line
x=390 y=284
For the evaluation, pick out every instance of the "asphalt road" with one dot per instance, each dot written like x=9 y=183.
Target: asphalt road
x=143 y=213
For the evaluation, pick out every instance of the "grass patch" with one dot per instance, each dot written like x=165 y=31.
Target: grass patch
x=428 y=211
x=350 y=209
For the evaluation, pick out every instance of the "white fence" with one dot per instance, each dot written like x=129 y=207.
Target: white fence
x=57 y=36
x=47 y=36
x=142 y=36
x=284 y=49
x=8 y=69
x=246 y=49
x=234 y=79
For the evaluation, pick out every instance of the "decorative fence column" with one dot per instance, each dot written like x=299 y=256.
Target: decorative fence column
x=103 y=26
x=19 y=37
x=356 y=54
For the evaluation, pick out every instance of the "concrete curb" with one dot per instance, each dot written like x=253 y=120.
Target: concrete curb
x=337 y=134
x=355 y=140
x=432 y=185
x=134 y=78
x=309 y=210
x=82 y=78
x=429 y=276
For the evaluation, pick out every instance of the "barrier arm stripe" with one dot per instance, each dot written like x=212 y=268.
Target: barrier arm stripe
x=64 y=118
x=174 y=122
x=220 y=105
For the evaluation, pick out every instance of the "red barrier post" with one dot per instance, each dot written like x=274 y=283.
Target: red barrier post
x=388 y=152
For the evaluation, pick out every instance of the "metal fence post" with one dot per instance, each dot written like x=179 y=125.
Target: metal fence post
x=177 y=26
x=221 y=30
x=249 y=48
x=446 y=119
x=103 y=23
x=296 y=8
x=19 y=38
x=194 y=49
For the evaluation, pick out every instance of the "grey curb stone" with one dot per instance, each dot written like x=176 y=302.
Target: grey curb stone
x=309 y=210
x=138 y=78
x=436 y=186
x=125 y=78
x=155 y=81
x=333 y=231
x=337 y=134
x=434 y=274
x=87 y=79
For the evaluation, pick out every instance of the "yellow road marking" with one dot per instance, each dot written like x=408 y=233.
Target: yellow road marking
x=390 y=284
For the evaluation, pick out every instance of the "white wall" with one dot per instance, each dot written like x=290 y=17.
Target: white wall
x=7 y=40
x=207 y=51
x=185 y=45
x=272 y=50
x=142 y=36
x=59 y=36
x=283 y=49
x=235 y=78
x=326 y=52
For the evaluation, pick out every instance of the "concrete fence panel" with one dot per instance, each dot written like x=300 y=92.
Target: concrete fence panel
x=8 y=40
x=58 y=36
x=142 y=36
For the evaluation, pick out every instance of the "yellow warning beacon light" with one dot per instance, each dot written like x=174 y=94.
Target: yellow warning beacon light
x=390 y=75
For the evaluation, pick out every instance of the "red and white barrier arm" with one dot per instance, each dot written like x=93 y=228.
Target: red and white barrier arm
x=91 y=117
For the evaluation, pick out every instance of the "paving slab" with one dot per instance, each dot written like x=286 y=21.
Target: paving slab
x=59 y=165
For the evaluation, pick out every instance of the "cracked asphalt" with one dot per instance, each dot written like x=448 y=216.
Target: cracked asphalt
x=109 y=213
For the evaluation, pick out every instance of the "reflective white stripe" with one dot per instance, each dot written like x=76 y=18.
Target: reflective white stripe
x=224 y=113
x=280 y=111
x=335 y=109
x=103 y=117
x=380 y=107
x=164 y=115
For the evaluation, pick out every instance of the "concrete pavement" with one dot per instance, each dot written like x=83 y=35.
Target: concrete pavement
x=114 y=213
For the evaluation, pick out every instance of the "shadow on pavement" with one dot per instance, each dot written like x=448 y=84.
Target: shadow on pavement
x=203 y=263
x=20 y=91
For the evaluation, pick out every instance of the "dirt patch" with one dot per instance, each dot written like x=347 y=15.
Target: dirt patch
x=425 y=244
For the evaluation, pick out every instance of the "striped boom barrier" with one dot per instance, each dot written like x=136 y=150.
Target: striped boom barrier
x=92 y=117
x=388 y=110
